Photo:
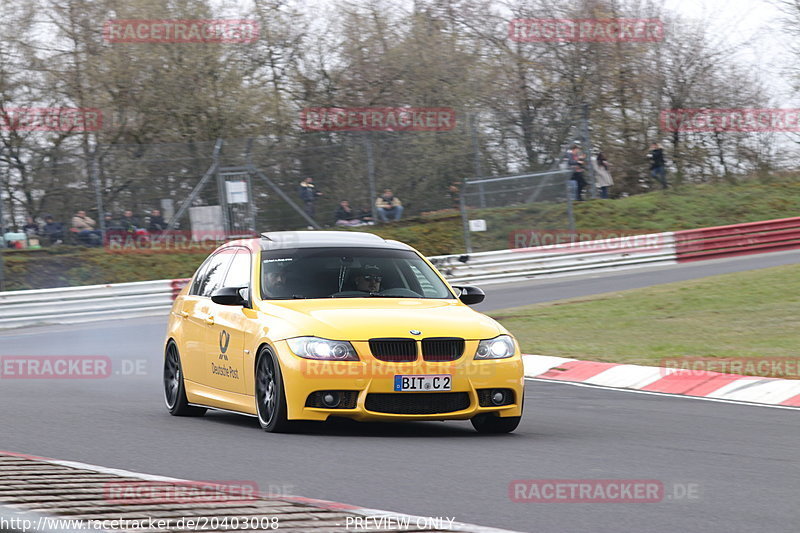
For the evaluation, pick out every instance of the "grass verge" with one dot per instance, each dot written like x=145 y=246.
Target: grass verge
x=750 y=314
x=689 y=207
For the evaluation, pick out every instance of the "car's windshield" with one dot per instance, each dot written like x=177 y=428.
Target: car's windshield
x=348 y=273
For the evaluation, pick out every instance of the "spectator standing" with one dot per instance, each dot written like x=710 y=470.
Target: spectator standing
x=84 y=227
x=54 y=231
x=454 y=192
x=346 y=215
x=577 y=162
x=157 y=223
x=308 y=194
x=603 y=178
x=658 y=167
x=390 y=208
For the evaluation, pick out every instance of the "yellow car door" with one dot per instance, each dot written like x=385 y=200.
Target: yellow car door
x=226 y=333
x=198 y=318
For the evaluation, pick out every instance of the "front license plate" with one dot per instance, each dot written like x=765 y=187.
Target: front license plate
x=428 y=382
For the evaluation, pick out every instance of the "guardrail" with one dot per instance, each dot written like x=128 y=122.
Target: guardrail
x=87 y=303
x=147 y=298
x=128 y=300
x=738 y=239
x=558 y=259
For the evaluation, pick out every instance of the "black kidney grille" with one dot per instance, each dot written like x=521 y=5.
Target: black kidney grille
x=442 y=348
x=417 y=403
x=394 y=350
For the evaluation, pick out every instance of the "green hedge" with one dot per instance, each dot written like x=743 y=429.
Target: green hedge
x=67 y=266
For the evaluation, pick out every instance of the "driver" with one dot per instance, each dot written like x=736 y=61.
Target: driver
x=369 y=279
x=276 y=283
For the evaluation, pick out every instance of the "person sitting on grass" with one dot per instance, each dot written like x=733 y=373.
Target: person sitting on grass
x=84 y=228
x=390 y=208
x=346 y=215
x=156 y=224
x=31 y=228
x=52 y=230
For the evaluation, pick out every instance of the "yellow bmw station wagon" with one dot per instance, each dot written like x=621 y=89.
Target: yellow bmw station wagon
x=309 y=325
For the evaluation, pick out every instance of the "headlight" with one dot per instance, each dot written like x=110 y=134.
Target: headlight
x=498 y=348
x=324 y=349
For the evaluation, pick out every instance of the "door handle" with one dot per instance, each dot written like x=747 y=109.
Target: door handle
x=210 y=320
x=184 y=314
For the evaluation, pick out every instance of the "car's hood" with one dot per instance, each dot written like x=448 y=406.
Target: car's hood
x=360 y=319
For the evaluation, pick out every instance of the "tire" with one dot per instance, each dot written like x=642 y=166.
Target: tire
x=491 y=423
x=174 y=391
x=270 y=393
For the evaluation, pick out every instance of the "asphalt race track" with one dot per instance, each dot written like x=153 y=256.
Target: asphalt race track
x=739 y=462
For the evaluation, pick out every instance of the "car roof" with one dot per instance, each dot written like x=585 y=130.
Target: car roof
x=282 y=240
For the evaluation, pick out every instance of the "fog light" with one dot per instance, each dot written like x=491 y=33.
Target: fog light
x=330 y=399
x=498 y=397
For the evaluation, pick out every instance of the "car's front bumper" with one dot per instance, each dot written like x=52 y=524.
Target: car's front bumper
x=303 y=377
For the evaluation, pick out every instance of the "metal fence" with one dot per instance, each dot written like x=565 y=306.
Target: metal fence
x=264 y=172
x=251 y=185
x=547 y=196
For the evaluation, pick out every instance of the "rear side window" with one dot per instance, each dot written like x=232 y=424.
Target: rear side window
x=211 y=275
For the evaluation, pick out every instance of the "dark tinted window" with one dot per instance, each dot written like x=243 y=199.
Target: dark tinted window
x=213 y=273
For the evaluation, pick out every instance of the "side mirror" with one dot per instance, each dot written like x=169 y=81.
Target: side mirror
x=230 y=296
x=470 y=294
